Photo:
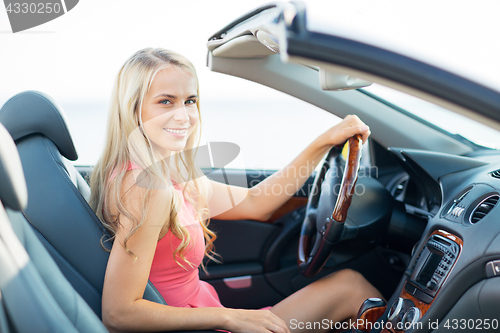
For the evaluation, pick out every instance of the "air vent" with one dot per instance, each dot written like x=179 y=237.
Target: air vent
x=495 y=174
x=483 y=208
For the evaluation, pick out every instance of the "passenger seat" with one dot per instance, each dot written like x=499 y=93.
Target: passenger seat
x=57 y=209
x=35 y=294
x=56 y=226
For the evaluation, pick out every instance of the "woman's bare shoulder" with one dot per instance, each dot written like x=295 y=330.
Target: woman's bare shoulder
x=141 y=207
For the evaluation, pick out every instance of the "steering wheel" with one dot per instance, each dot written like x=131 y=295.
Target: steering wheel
x=331 y=192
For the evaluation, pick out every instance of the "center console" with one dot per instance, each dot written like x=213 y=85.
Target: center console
x=430 y=270
x=427 y=275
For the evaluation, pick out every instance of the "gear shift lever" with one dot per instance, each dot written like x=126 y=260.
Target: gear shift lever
x=369 y=312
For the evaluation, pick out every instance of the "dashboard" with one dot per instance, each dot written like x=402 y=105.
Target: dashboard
x=452 y=273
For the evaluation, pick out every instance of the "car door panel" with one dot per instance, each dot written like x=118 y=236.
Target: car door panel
x=263 y=252
x=258 y=295
x=242 y=240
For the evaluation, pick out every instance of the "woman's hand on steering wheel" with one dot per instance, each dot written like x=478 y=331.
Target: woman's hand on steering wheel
x=347 y=128
x=330 y=197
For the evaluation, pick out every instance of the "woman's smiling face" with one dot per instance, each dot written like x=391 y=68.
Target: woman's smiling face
x=169 y=110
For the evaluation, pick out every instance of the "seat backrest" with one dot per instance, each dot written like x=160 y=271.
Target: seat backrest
x=29 y=304
x=36 y=295
x=4 y=322
x=57 y=211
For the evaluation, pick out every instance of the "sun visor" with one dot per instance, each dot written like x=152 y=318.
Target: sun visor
x=247 y=46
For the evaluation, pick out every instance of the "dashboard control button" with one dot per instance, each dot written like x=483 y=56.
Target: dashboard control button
x=493 y=268
x=411 y=317
x=423 y=296
x=431 y=285
x=395 y=310
x=410 y=289
x=419 y=294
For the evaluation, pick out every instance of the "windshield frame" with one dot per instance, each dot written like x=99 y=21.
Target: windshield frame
x=455 y=136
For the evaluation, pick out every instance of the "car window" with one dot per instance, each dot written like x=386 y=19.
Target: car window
x=270 y=131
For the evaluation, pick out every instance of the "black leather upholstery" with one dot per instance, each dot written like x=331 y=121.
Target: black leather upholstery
x=75 y=309
x=36 y=295
x=4 y=322
x=29 y=303
x=13 y=187
x=32 y=112
x=60 y=215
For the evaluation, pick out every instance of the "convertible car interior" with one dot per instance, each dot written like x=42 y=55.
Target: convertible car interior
x=416 y=213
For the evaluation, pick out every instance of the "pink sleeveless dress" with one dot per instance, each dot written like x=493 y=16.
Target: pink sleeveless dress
x=181 y=286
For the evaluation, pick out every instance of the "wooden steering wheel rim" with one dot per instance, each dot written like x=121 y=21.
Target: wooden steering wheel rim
x=311 y=265
x=349 y=180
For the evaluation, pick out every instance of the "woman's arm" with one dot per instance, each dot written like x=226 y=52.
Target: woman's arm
x=124 y=309
x=260 y=201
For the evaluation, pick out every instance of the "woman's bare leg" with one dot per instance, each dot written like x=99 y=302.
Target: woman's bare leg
x=334 y=298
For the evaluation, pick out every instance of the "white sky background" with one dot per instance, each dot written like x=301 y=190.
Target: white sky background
x=462 y=36
x=75 y=57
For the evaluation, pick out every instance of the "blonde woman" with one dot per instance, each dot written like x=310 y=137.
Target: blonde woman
x=155 y=202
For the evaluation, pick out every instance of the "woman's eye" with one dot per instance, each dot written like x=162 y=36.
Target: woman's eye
x=191 y=101
x=165 y=101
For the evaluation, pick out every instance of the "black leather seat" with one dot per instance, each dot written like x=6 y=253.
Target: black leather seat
x=57 y=225
x=36 y=295
x=57 y=208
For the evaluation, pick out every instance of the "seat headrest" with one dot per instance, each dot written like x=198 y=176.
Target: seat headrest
x=33 y=112
x=13 y=190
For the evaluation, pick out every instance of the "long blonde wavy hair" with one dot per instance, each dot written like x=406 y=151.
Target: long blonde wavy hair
x=127 y=142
